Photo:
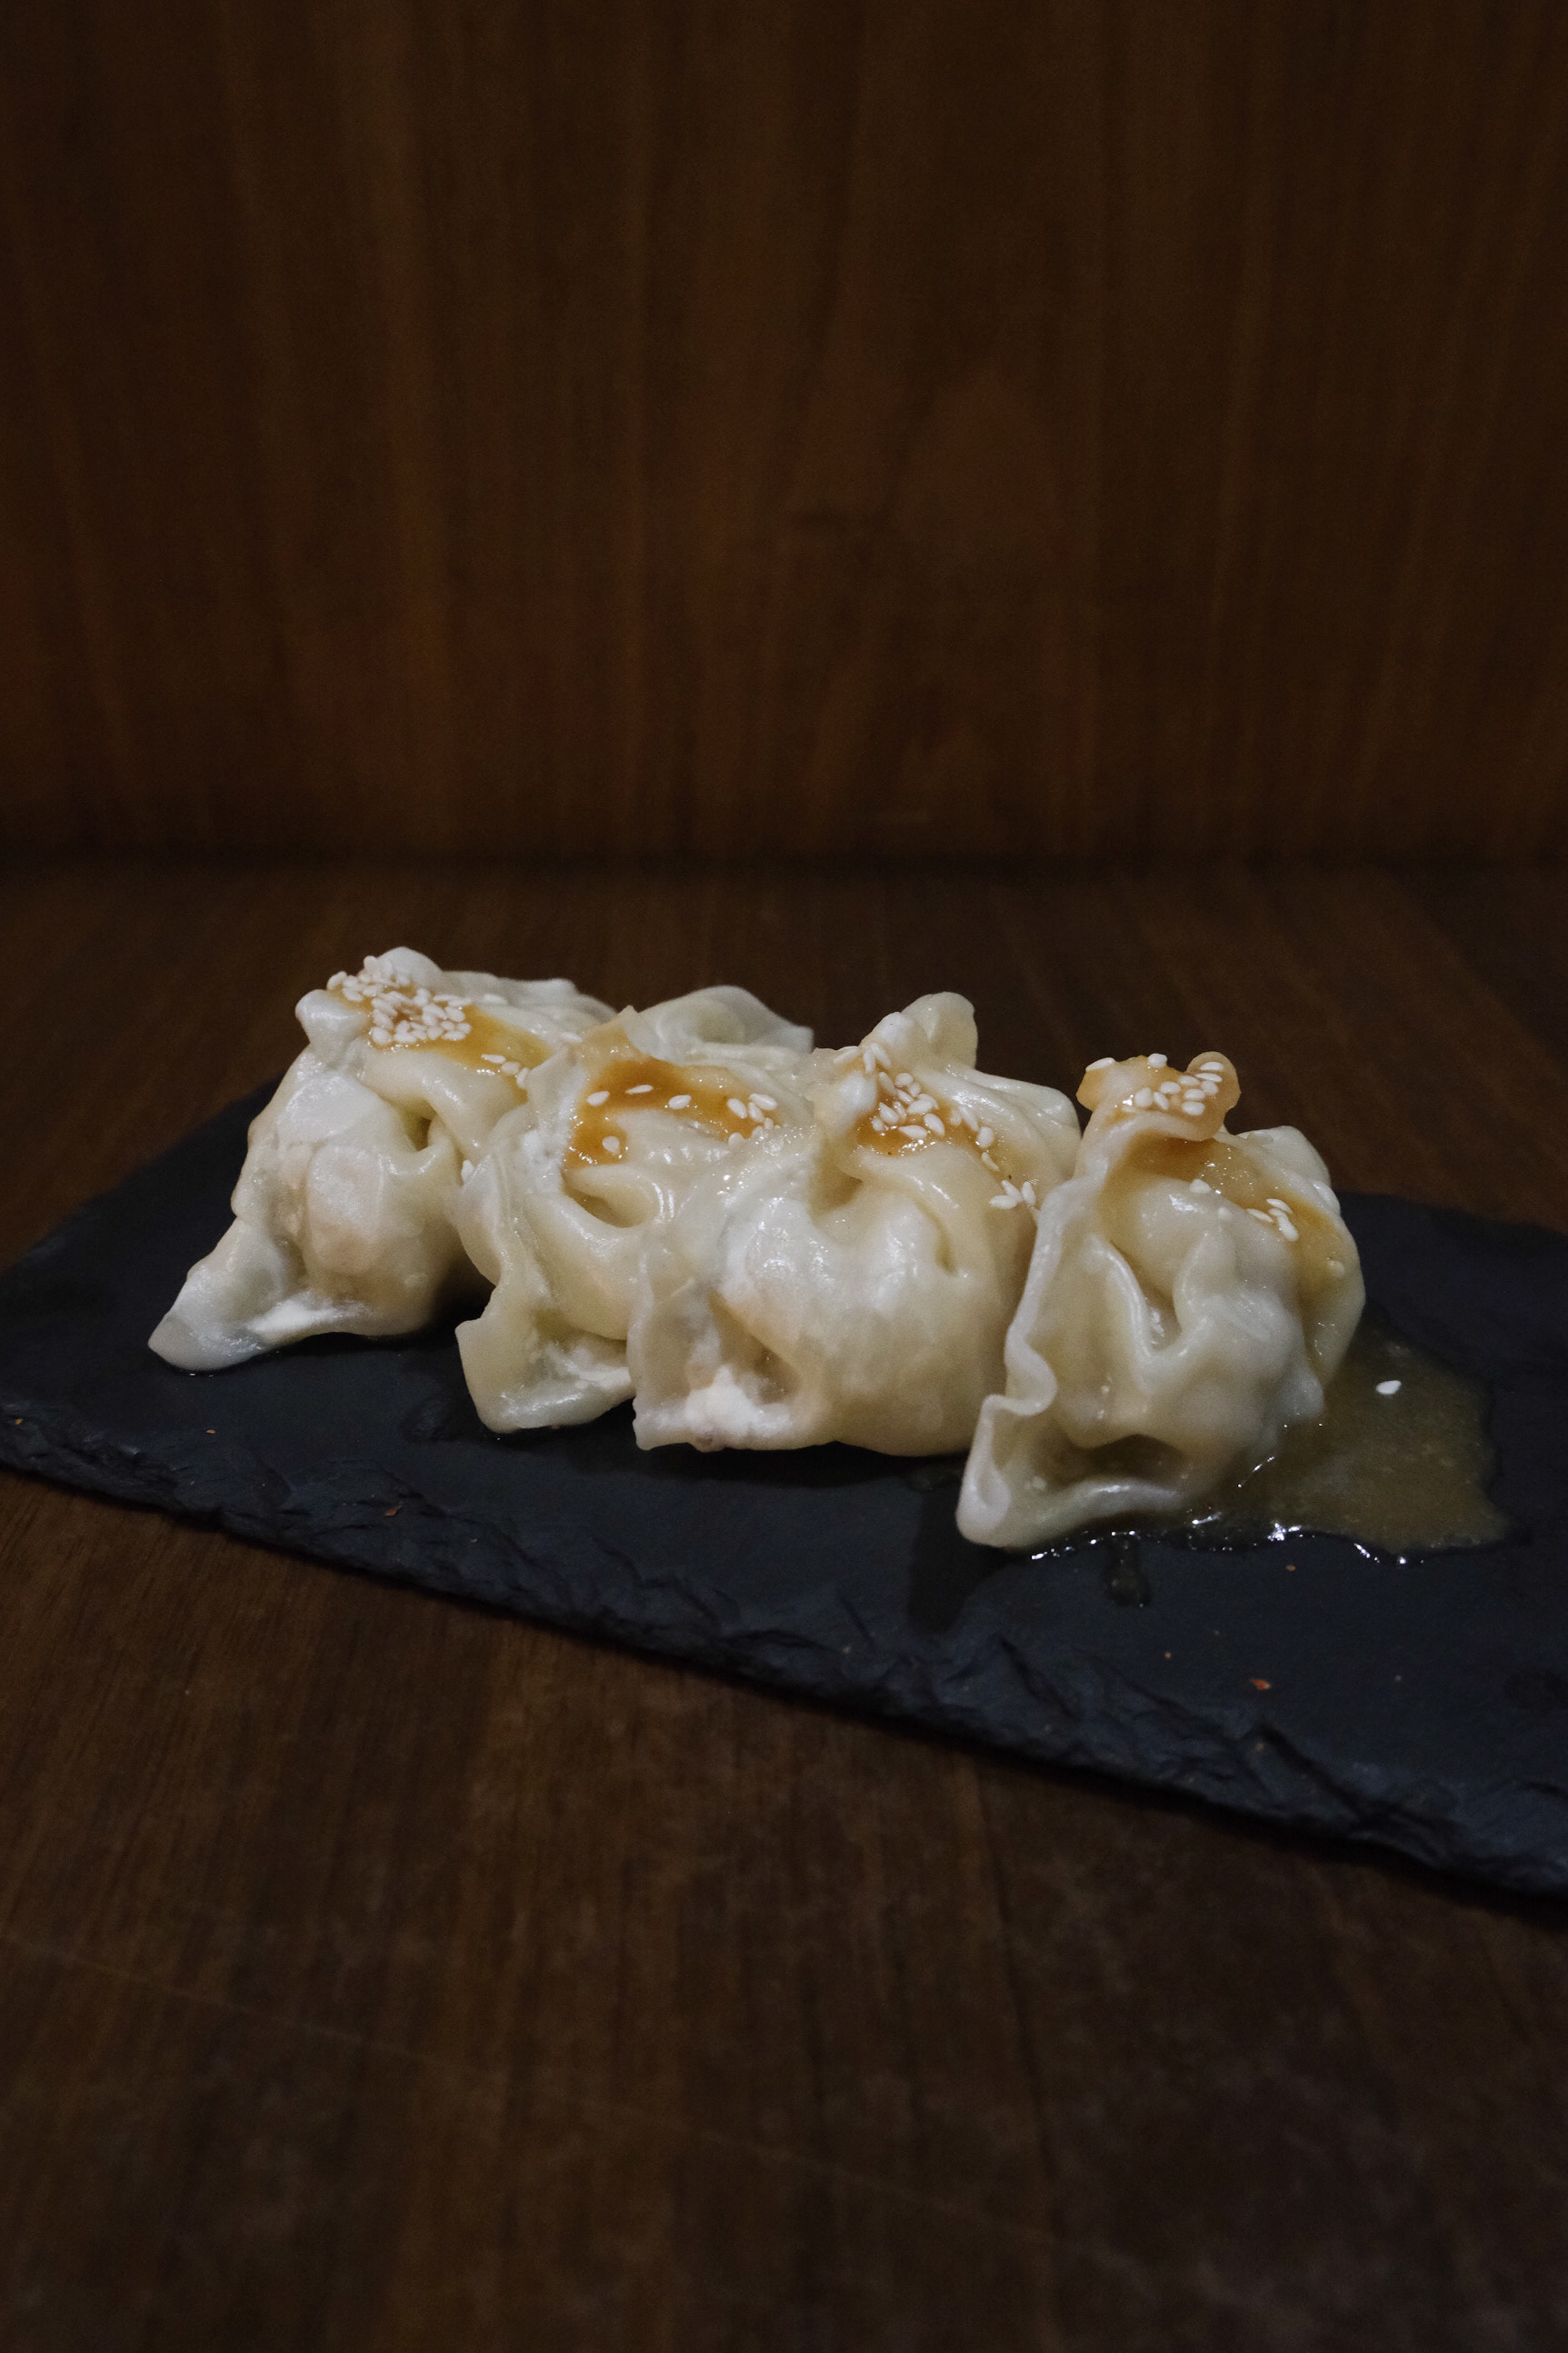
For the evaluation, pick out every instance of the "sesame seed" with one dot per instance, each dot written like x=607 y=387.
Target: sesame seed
x=613 y=1146
x=1143 y=1098
x=492 y=1058
x=1028 y=1193
x=1389 y=1388
x=644 y=1089
x=1156 y=1062
x=1276 y=1203
x=986 y=1162
x=1197 y=1185
x=1288 y=1229
x=679 y=1102
x=600 y=1095
x=737 y=1106
x=1262 y=1217
x=985 y=1138
x=1104 y=1063
x=915 y=1133
x=766 y=1102
x=1336 y=1267
x=934 y=1121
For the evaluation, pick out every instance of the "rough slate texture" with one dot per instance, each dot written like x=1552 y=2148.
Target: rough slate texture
x=1421 y=1703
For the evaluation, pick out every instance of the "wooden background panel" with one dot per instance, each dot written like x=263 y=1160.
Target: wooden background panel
x=1071 y=425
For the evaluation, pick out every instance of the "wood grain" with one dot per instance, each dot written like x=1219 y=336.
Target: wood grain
x=975 y=427
x=377 y=1974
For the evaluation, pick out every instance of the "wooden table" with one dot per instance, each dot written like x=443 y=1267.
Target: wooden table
x=381 y=1974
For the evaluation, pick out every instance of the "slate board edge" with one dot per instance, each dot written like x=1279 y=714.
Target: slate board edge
x=1034 y=1710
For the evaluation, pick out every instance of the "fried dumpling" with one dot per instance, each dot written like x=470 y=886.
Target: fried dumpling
x=344 y=1211
x=1190 y=1296
x=852 y=1276
x=561 y=1207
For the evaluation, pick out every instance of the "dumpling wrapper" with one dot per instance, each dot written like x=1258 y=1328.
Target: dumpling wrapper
x=560 y=1209
x=853 y=1278
x=344 y=1211
x=1190 y=1295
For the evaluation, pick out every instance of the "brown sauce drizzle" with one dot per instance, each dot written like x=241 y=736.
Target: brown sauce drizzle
x=715 y=1099
x=487 y=1038
x=1226 y=1166
x=915 y=1133
x=1403 y=1472
x=490 y=1045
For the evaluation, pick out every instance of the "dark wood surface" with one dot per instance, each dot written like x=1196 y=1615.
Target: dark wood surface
x=378 y=1974
x=1088 y=426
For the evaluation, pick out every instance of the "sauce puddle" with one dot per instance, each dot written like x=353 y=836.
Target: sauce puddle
x=1400 y=1460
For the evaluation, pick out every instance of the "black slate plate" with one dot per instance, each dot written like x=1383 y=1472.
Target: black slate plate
x=1422 y=1703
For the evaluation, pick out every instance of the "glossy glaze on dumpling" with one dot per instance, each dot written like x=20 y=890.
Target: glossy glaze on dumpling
x=1189 y=1295
x=344 y=1207
x=852 y=1277
x=561 y=1210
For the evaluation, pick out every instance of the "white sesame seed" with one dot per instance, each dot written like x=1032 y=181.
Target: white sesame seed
x=767 y=1100
x=1287 y=1229
x=465 y=1172
x=644 y=1089
x=1197 y=1185
x=737 y=1106
x=916 y=1134
x=1262 y=1217
x=613 y=1146
x=492 y=1058
x=934 y=1123
x=1156 y=1062
x=985 y=1138
x=1143 y=1098
x=1389 y=1388
x=600 y=1095
x=1336 y=1267
x=986 y=1162
x=1028 y=1193
x=380 y=1038
x=1104 y=1063
x=1276 y=1203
